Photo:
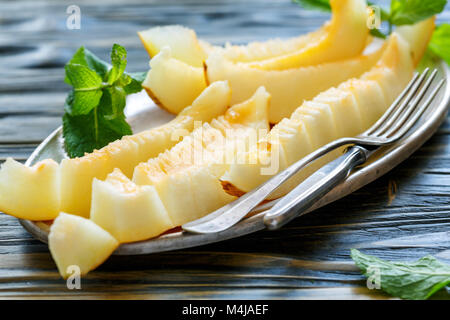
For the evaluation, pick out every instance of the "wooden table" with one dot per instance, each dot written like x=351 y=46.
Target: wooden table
x=402 y=216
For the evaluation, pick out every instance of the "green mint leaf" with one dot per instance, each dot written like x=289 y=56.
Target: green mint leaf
x=82 y=102
x=85 y=133
x=86 y=58
x=135 y=82
x=440 y=42
x=117 y=99
x=94 y=108
x=138 y=76
x=119 y=63
x=117 y=127
x=377 y=33
x=412 y=11
x=408 y=280
x=82 y=78
x=86 y=91
x=322 y=5
x=79 y=135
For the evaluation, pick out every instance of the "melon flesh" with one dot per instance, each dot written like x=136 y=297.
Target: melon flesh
x=418 y=36
x=289 y=88
x=344 y=111
x=186 y=185
x=182 y=41
x=346 y=37
x=257 y=51
x=127 y=211
x=176 y=79
x=42 y=191
x=78 y=242
x=77 y=174
x=186 y=176
x=187 y=48
x=173 y=84
x=30 y=192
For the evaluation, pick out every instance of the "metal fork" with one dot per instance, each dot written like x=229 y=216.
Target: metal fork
x=392 y=126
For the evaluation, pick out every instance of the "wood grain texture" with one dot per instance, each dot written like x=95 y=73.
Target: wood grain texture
x=402 y=216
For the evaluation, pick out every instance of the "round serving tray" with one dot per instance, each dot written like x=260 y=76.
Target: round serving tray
x=142 y=114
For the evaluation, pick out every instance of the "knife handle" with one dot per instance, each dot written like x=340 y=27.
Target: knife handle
x=285 y=211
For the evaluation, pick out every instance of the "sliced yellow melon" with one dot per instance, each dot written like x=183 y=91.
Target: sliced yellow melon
x=174 y=80
x=186 y=47
x=346 y=37
x=186 y=176
x=41 y=192
x=176 y=76
x=289 y=88
x=77 y=174
x=187 y=185
x=418 y=36
x=182 y=183
x=171 y=83
x=182 y=41
x=347 y=110
x=257 y=51
x=80 y=243
x=29 y=192
x=127 y=211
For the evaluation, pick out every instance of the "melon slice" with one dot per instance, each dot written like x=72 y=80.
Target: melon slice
x=176 y=76
x=257 y=51
x=78 y=242
x=418 y=36
x=289 y=88
x=77 y=174
x=29 y=192
x=185 y=177
x=127 y=211
x=171 y=83
x=187 y=48
x=346 y=37
x=41 y=192
x=182 y=41
x=347 y=110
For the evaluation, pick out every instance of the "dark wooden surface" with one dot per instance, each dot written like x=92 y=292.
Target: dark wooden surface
x=402 y=216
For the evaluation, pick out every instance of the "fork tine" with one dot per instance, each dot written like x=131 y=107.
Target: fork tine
x=393 y=106
x=404 y=104
x=419 y=113
x=396 y=125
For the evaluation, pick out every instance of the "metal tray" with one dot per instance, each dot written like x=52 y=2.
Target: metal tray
x=142 y=114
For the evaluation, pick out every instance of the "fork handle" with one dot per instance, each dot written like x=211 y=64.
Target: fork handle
x=295 y=204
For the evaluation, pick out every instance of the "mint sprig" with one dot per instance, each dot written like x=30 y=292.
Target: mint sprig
x=87 y=89
x=94 y=109
x=417 y=280
x=412 y=11
x=440 y=42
